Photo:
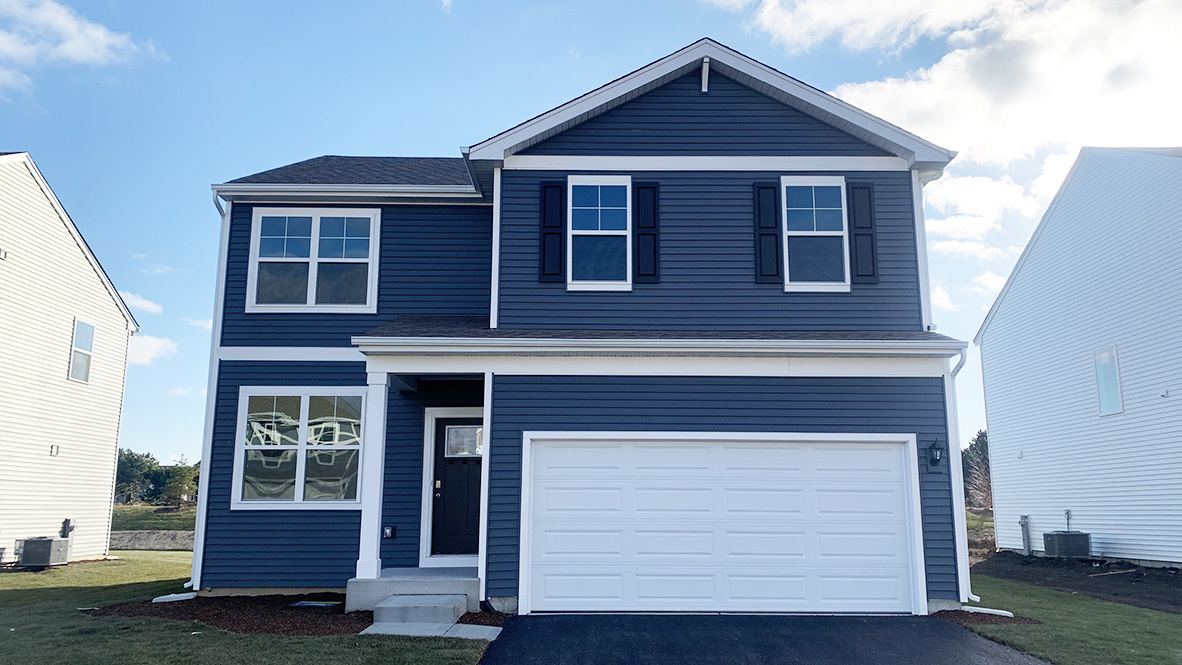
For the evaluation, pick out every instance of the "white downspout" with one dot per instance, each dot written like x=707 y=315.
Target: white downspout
x=957 y=477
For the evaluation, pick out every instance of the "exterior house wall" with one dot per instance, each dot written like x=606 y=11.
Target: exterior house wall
x=677 y=119
x=719 y=404
x=434 y=259
x=273 y=548
x=707 y=263
x=45 y=282
x=1102 y=269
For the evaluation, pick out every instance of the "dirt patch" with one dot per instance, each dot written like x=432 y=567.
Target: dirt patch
x=152 y=539
x=1152 y=588
x=963 y=618
x=255 y=615
x=484 y=618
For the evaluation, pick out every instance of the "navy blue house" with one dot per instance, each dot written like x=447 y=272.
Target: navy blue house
x=666 y=347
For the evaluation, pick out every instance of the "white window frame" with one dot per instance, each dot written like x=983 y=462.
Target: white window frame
x=298 y=502
x=826 y=180
x=586 y=285
x=1120 y=398
x=74 y=349
x=309 y=305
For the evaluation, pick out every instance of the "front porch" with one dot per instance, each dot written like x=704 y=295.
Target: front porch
x=366 y=593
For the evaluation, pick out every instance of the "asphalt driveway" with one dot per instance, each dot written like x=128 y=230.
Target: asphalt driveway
x=636 y=639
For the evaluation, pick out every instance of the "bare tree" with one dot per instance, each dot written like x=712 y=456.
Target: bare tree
x=978 y=487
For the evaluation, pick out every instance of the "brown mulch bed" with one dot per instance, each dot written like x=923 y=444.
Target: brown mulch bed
x=256 y=615
x=1152 y=588
x=962 y=618
x=484 y=618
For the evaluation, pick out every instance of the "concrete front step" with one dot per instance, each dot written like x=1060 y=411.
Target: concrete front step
x=365 y=594
x=425 y=609
x=465 y=631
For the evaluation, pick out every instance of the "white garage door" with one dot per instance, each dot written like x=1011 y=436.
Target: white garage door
x=644 y=522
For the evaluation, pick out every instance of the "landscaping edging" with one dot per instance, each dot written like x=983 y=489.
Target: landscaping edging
x=152 y=540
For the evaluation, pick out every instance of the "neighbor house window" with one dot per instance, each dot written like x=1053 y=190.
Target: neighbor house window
x=816 y=252
x=599 y=250
x=298 y=447
x=1108 y=381
x=305 y=259
x=81 y=351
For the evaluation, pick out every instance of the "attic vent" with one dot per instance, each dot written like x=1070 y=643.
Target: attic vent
x=705 y=75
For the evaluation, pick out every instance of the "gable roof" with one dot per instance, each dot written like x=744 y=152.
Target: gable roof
x=344 y=170
x=736 y=66
x=1084 y=155
x=35 y=173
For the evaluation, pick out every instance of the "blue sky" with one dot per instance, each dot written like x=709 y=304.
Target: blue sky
x=132 y=109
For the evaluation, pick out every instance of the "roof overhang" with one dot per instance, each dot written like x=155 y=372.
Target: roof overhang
x=256 y=192
x=920 y=154
x=464 y=346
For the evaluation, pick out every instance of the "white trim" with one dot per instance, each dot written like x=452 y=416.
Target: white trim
x=701 y=163
x=482 y=550
x=705 y=75
x=289 y=353
x=911 y=462
x=74 y=349
x=815 y=181
x=673 y=365
x=921 y=252
x=47 y=191
x=426 y=513
x=313 y=260
x=229 y=190
x=297 y=502
x=809 y=99
x=210 y=399
x=495 y=296
x=372 y=474
x=956 y=477
x=571 y=232
x=557 y=346
x=1119 y=392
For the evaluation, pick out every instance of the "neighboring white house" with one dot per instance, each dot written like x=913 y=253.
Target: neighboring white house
x=63 y=358
x=1082 y=362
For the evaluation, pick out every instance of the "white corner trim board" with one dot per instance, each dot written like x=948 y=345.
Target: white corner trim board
x=627 y=475
x=495 y=295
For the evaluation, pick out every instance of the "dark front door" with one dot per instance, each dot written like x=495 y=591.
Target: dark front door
x=455 y=513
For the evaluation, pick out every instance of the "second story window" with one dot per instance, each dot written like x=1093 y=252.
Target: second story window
x=81 y=352
x=305 y=259
x=599 y=242
x=816 y=252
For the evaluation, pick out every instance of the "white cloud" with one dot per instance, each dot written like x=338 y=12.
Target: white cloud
x=445 y=5
x=179 y=391
x=970 y=249
x=941 y=299
x=146 y=349
x=974 y=205
x=157 y=269
x=988 y=284
x=204 y=324
x=140 y=303
x=34 y=33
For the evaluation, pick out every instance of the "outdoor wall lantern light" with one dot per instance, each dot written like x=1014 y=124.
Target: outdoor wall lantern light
x=935 y=453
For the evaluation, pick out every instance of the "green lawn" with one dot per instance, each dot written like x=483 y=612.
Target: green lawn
x=1080 y=630
x=976 y=522
x=135 y=518
x=40 y=623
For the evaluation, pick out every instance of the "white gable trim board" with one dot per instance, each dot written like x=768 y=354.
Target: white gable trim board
x=702 y=521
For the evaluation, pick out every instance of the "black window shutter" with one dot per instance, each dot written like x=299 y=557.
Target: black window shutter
x=645 y=227
x=552 y=248
x=863 y=259
x=769 y=263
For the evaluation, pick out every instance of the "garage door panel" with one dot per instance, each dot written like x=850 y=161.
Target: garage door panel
x=721 y=526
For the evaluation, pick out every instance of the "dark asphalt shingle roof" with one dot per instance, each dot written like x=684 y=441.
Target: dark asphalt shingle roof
x=342 y=170
x=476 y=327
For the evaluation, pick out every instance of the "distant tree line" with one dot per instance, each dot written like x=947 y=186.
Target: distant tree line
x=139 y=477
x=978 y=486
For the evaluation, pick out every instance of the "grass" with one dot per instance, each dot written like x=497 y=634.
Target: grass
x=976 y=522
x=1080 y=630
x=40 y=622
x=135 y=518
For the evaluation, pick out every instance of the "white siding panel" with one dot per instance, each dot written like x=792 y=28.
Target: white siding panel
x=1105 y=268
x=44 y=283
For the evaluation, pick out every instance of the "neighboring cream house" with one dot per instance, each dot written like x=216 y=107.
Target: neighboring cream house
x=63 y=359
x=1082 y=364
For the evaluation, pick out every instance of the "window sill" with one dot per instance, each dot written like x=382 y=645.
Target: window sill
x=598 y=286
x=816 y=288
x=311 y=309
x=292 y=505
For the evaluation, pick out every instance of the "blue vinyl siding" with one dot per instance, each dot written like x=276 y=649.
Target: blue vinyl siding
x=402 y=496
x=434 y=260
x=273 y=548
x=676 y=119
x=756 y=404
x=707 y=264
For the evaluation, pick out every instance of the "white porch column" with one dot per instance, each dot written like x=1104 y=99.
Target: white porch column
x=373 y=464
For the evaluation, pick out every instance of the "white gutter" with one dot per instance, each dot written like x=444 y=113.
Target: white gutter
x=959 y=524
x=229 y=190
